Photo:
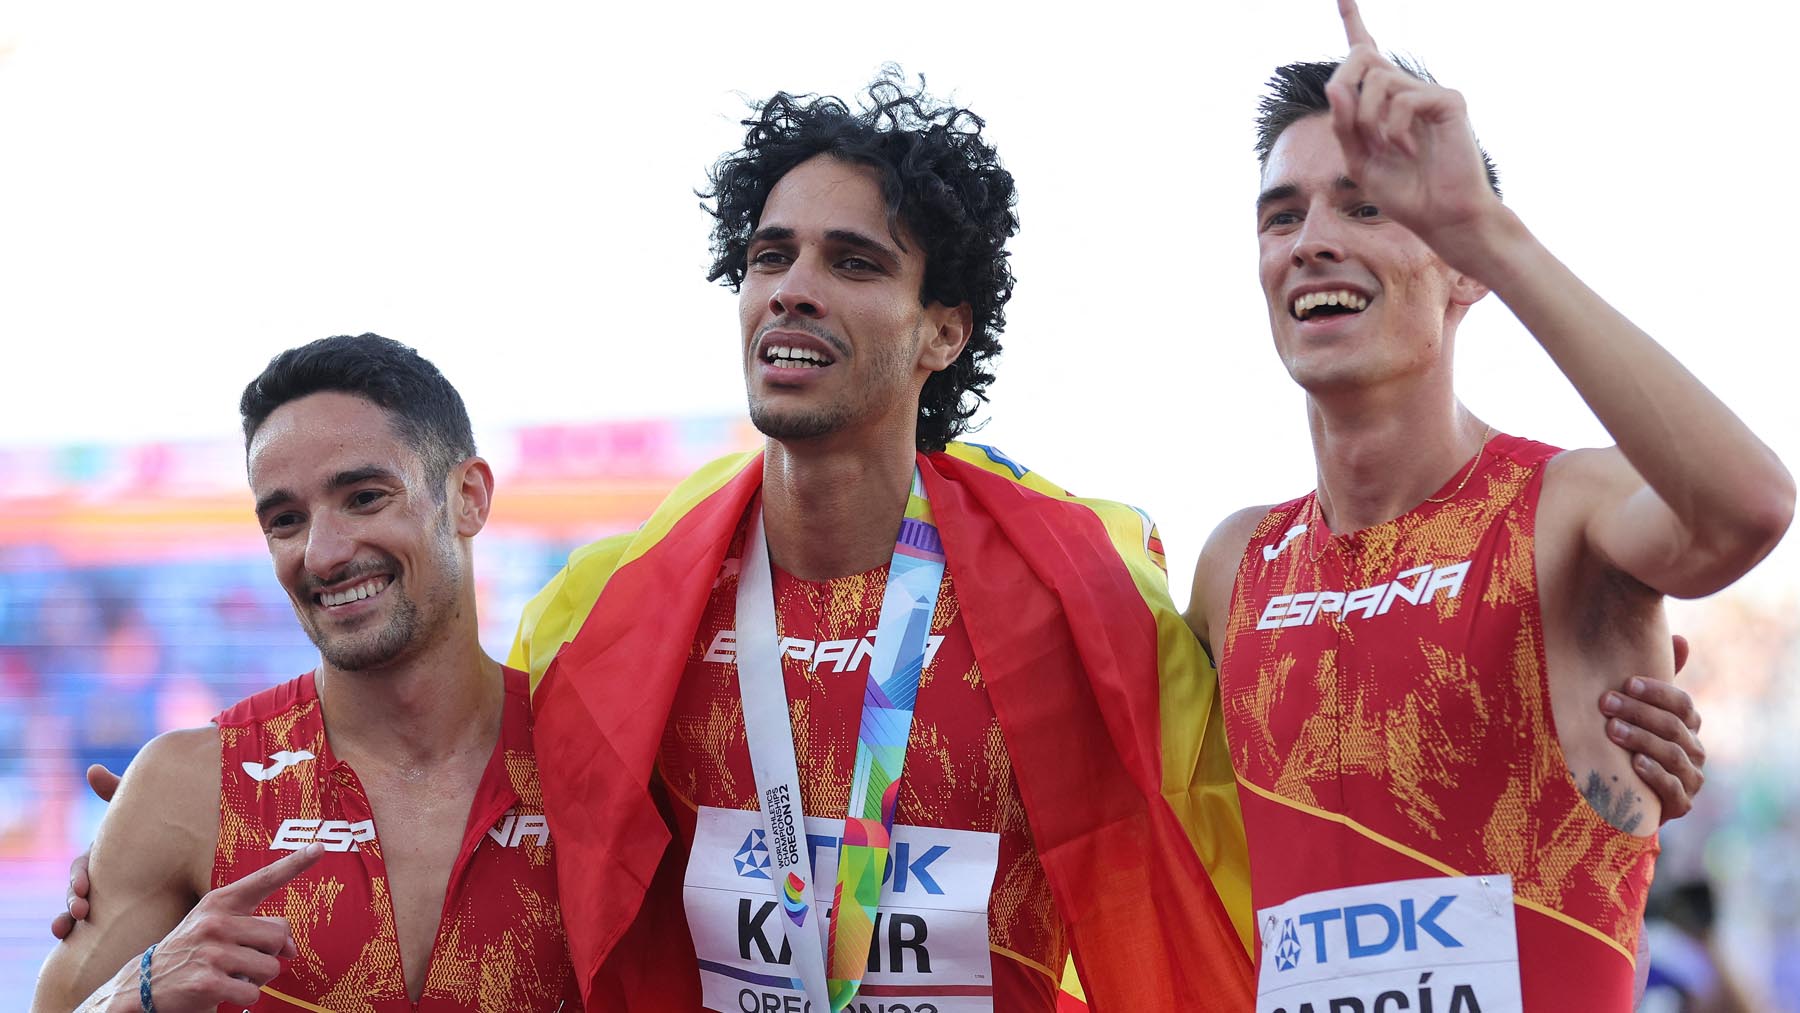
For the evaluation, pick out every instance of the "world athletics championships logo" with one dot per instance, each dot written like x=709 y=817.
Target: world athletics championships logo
x=793 y=898
x=752 y=858
x=1287 y=952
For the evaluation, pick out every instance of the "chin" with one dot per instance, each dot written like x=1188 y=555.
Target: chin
x=795 y=425
x=1315 y=376
x=371 y=648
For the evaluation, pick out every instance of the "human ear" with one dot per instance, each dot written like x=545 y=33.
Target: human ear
x=471 y=495
x=951 y=327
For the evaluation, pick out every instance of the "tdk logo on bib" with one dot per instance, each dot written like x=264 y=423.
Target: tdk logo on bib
x=1359 y=931
x=929 y=949
x=909 y=868
x=1444 y=943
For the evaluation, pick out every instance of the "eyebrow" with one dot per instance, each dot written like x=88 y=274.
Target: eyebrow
x=1284 y=191
x=343 y=479
x=848 y=237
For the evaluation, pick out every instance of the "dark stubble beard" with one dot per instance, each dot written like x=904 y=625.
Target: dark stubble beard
x=797 y=425
x=408 y=627
x=828 y=419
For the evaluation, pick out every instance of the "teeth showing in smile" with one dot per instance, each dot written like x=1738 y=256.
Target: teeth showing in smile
x=366 y=589
x=1344 y=300
x=789 y=357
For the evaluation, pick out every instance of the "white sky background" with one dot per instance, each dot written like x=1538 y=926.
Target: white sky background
x=186 y=189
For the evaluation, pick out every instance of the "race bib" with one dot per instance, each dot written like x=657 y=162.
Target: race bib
x=1443 y=944
x=929 y=953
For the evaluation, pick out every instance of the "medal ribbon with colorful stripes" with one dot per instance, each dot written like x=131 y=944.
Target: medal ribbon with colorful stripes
x=907 y=605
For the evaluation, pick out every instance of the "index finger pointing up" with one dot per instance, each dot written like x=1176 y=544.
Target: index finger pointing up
x=242 y=896
x=1353 y=25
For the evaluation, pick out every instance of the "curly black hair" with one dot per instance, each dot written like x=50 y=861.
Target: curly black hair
x=938 y=177
x=1297 y=91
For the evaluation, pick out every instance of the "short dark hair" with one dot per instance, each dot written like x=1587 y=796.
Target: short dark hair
x=939 y=178
x=424 y=409
x=1298 y=91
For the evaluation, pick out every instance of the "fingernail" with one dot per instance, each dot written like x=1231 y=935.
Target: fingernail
x=1610 y=702
x=1637 y=685
x=1619 y=728
x=1642 y=762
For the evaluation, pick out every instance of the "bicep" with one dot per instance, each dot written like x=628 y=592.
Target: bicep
x=1629 y=527
x=142 y=870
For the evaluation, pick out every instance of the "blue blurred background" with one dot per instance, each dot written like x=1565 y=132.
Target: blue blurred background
x=136 y=597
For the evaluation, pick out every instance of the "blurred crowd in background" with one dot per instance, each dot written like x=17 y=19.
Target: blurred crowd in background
x=136 y=596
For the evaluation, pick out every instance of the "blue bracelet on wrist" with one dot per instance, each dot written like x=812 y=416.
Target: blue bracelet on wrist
x=144 y=980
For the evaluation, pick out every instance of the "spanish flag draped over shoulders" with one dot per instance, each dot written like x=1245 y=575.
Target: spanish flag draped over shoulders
x=1108 y=707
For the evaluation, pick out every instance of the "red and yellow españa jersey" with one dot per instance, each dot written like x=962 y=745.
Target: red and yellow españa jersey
x=1388 y=711
x=500 y=941
x=958 y=775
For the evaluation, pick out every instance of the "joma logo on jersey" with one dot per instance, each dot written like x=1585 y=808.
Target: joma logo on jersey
x=1417 y=586
x=278 y=762
x=335 y=835
x=845 y=655
x=513 y=829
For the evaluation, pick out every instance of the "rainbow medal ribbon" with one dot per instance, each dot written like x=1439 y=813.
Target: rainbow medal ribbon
x=907 y=604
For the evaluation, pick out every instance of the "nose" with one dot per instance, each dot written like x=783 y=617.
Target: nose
x=1320 y=239
x=329 y=547
x=801 y=291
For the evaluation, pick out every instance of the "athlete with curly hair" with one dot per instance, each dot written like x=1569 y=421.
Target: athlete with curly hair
x=739 y=686
x=939 y=180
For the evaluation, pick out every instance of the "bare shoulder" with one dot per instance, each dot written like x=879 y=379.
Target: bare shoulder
x=1217 y=570
x=149 y=865
x=1588 y=470
x=162 y=826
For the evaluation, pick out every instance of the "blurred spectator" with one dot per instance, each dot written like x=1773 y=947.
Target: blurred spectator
x=1686 y=972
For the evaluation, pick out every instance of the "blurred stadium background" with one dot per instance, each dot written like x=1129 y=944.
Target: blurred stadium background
x=135 y=597
x=188 y=187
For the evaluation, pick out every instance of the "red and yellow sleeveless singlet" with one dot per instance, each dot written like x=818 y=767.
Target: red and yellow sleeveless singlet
x=1389 y=716
x=958 y=776
x=500 y=942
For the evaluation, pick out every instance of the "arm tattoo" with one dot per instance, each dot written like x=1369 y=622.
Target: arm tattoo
x=1616 y=805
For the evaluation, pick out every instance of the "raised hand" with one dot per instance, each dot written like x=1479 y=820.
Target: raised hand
x=1409 y=146
x=223 y=952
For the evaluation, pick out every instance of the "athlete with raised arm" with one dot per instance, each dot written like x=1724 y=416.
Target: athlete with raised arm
x=1411 y=653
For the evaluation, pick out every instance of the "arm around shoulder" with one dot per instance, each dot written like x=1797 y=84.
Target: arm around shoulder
x=151 y=861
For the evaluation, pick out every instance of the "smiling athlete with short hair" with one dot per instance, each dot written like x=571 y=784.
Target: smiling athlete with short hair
x=398 y=777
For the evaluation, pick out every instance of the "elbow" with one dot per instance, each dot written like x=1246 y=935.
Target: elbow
x=1769 y=513
x=1738 y=536
x=1757 y=524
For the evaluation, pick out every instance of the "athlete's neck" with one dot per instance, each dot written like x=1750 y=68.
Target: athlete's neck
x=832 y=510
x=442 y=702
x=1380 y=453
